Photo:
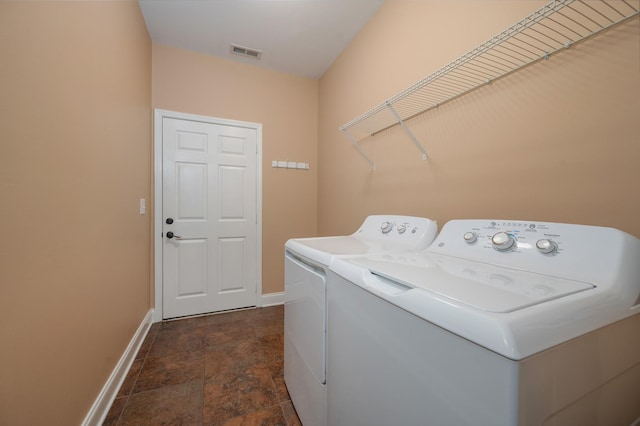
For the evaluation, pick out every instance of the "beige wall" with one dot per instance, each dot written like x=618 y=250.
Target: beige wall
x=557 y=141
x=285 y=105
x=75 y=158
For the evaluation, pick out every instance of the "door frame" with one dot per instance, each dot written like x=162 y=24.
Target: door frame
x=158 y=116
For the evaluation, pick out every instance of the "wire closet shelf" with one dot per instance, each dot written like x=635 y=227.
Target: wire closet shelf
x=552 y=28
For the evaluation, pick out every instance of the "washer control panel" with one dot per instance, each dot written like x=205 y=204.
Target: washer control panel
x=505 y=236
x=504 y=241
x=558 y=249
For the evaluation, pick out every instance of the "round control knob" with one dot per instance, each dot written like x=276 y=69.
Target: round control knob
x=546 y=246
x=401 y=228
x=470 y=237
x=502 y=241
x=386 y=227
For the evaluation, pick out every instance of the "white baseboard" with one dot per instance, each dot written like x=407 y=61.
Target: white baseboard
x=102 y=404
x=272 y=299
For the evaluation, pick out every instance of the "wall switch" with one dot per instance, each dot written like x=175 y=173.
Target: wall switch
x=291 y=165
x=274 y=163
x=282 y=164
x=301 y=166
x=143 y=206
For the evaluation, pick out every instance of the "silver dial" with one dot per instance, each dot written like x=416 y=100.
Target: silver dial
x=546 y=246
x=401 y=228
x=470 y=237
x=502 y=241
x=386 y=227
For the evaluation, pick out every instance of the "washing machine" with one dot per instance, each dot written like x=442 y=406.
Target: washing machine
x=305 y=311
x=496 y=323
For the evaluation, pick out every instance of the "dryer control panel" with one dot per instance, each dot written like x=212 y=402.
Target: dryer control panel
x=397 y=231
x=590 y=254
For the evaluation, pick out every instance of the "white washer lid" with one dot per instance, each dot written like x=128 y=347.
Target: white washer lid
x=481 y=286
x=513 y=324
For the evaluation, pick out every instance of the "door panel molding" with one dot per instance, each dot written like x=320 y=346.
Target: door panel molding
x=191 y=142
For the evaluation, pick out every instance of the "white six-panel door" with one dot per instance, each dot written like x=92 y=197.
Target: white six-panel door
x=209 y=217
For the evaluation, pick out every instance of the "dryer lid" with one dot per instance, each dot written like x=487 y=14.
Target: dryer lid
x=323 y=249
x=337 y=245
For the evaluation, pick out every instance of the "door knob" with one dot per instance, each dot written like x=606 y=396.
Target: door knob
x=171 y=235
x=169 y=221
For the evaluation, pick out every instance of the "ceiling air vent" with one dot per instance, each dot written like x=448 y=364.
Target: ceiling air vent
x=245 y=51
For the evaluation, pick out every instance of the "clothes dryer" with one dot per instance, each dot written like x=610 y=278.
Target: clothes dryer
x=305 y=332
x=496 y=323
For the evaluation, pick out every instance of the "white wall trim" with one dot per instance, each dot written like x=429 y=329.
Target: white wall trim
x=103 y=402
x=159 y=114
x=272 y=299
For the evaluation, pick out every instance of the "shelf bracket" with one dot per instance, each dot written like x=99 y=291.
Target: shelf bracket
x=407 y=130
x=364 y=154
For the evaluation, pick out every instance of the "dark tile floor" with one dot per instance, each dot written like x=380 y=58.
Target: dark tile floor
x=223 y=369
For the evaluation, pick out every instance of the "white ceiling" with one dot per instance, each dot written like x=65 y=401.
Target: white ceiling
x=301 y=37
